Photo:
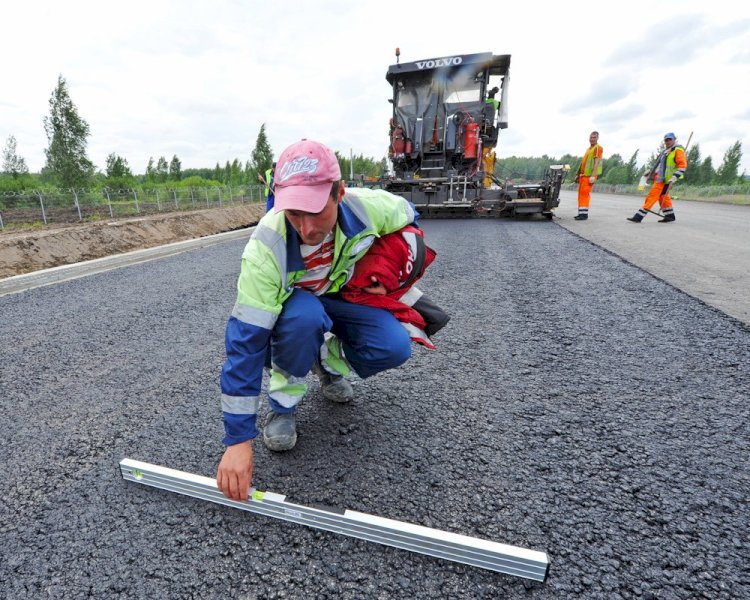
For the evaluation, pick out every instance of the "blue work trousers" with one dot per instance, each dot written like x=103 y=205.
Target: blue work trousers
x=372 y=338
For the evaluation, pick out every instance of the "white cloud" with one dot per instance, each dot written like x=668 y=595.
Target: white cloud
x=198 y=79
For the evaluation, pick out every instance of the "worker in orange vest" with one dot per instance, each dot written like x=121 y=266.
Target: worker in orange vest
x=588 y=172
x=670 y=167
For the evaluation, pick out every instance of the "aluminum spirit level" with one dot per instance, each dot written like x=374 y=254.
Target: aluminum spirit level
x=511 y=560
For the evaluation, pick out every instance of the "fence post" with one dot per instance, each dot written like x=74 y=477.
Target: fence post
x=158 y=206
x=109 y=203
x=78 y=206
x=192 y=195
x=206 y=188
x=137 y=208
x=176 y=204
x=231 y=198
x=1 y=222
x=41 y=203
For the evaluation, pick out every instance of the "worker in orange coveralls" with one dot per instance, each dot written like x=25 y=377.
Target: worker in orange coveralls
x=670 y=167
x=588 y=172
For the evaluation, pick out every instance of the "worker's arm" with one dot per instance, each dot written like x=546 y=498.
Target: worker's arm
x=597 y=161
x=247 y=337
x=680 y=160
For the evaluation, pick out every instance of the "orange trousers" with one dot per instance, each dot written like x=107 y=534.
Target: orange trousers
x=584 y=192
x=654 y=196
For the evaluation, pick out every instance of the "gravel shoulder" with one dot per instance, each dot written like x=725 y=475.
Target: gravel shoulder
x=32 y=250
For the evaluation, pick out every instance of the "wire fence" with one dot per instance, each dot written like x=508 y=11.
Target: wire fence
x=45 y=207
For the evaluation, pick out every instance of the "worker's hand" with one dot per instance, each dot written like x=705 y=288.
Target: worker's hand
x=235 y=472
x=578 y=177
x=592 y=179
x=673 y=179
x=376 y=287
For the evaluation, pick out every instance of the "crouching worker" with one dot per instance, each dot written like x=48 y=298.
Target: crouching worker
x=289 y=305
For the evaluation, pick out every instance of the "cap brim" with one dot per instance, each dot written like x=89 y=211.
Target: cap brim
x=307 y=198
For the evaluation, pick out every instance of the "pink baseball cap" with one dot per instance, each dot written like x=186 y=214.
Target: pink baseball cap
x=303 y=177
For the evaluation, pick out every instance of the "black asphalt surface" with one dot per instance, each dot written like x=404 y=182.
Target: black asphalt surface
x=575 y=405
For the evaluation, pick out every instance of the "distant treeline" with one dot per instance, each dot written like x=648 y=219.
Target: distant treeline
x=700 y=172
x=170 y=175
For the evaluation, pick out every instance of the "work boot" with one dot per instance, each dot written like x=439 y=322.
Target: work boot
x=334 y=387
x=668 y=219
x=280 y=431
x=636 y=218
x=581 y=217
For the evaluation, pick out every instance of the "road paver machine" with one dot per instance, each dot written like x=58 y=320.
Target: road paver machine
x=447 y=116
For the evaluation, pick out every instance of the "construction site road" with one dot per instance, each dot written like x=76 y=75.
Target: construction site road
x=705 y=252
x=576 y=404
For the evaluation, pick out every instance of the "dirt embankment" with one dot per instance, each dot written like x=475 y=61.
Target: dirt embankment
x=24 y=252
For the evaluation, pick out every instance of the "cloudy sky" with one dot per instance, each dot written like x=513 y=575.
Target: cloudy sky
x=197 y=79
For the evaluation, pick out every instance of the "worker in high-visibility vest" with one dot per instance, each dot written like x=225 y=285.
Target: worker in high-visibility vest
x=268 y=182
x=289 y=315
x=670 y=167
x=588 y=172
x=491 y=100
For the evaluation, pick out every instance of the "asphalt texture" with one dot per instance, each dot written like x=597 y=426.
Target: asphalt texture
x=575 y=405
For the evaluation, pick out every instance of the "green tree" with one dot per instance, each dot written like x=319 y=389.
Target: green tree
x=201 y=173
x=13 y=165
x=175 y=169
x=707 y=172
x=67 y=133
x=363 y=166
x=117 y=166
x=613 y=164
x=728 y=171
x=693 y=173
x=150 y=170
x=236 y=175
x=117 y=173
x=633 y=172
x=617 y=175
x=261 y=157
x=162 y=170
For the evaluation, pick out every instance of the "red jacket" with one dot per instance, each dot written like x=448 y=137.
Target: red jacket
x=397 y=261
